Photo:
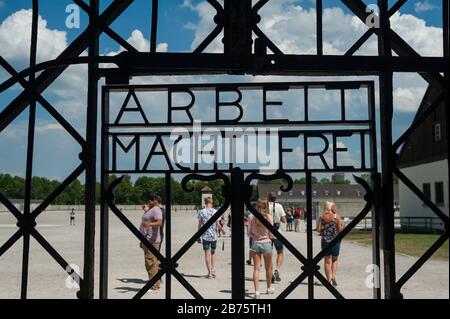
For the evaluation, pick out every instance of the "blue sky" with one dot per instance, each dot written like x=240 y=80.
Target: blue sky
x=181 y=23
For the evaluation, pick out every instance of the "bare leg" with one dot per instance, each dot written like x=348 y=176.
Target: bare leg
x=334 y=267
x=256 y=268
x=213 y=258
x=280 y=259
x=328 y=267
x=250 y=254
x=208 y=261
x=268 y=266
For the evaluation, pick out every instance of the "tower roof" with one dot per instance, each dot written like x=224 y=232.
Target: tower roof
x=206 y=189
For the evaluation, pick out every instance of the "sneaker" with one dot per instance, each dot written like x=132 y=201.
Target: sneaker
x=276 y=274
x=209 y=276
x=333 y=281
x=213 y=274
x=273 y=279
x=257 y=295
x=270 y=291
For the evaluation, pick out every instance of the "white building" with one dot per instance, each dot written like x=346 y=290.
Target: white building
x=424 y=160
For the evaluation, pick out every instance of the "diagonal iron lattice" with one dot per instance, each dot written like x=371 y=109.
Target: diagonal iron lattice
x=245 y=51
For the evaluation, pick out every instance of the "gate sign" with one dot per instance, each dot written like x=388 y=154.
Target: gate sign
x=293 y=127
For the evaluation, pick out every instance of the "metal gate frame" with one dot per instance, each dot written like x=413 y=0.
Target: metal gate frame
x=238 y=19
x=237 y=189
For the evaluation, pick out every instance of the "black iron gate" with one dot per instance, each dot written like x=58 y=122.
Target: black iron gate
x=239 y=20
x=237 y=189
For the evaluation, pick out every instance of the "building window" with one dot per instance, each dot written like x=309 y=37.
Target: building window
x=327 y=193
x=439 y=193
x=291 y=193
x=437 y=133
x=315 y=193
x=426 y=188
x=359 y=193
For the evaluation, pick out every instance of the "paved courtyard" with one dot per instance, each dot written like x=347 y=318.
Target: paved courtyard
x=127 y=273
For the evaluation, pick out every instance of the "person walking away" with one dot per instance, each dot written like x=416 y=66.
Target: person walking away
x=297 y=218
x=150 y=227
x=329 y=226
x=72 y=217
x=247 y=216
x=209 y=237
x=289 y=219
x=279 y=216
x=261 y=247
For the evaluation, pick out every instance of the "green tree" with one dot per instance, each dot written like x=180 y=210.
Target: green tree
x=302 y=181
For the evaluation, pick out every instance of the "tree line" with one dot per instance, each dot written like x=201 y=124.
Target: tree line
x=127 y=192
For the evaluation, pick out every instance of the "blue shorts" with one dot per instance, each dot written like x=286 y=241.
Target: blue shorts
x=207 y=245
x=333 y=251
x=278 y=244
x=261 y=247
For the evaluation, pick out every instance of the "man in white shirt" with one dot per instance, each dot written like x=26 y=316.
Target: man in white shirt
x=279 y=216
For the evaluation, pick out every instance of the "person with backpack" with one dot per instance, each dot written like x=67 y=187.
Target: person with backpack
x=329 y=226
x=276 y=210
x=209 y=237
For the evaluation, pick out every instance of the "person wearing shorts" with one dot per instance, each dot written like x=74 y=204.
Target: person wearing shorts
x=261 y=246
x=329 y=226
x=276 y=210
x=209 y=237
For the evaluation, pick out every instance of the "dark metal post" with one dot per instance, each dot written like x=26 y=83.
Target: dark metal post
x=30 y=152
x=168 y=231
x=154 y=26
x=309 y=232
x=238 y=27
x=387 y=155
x=446 y=32
x=104 y=210
x=89 y=156
x=319 y=26
x=376 y=180
x=237 y=238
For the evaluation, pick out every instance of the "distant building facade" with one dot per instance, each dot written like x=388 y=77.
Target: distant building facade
x=349 y=199
x=423 y=159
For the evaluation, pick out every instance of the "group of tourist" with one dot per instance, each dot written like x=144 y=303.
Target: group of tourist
x=262 y=241
x=295 y=219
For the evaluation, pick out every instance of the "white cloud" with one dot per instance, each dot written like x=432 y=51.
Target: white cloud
x=421 y=6
x=15 y=35
x=426 y=40
x=408 y=99
x=289 y=25
x=187 y=4
x=138 y=41
x=49 y=127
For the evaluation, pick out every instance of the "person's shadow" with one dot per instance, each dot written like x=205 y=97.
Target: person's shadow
x=132 y=280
